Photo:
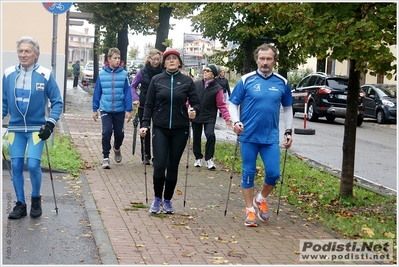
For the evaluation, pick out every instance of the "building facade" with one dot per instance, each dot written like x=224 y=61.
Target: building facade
x=32 y=19
x=80 y=46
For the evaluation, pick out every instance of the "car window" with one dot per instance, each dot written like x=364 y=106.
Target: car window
x=320 y=81
x=366 y=90
x=304 y=82
x=340 y=84
x=389 y=90
x=312 y=80
x=372 y=92
x=89 y=67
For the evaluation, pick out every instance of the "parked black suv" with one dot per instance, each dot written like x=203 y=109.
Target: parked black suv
x=326 y=97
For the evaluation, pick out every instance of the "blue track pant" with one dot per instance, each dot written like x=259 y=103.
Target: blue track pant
x=270 y=155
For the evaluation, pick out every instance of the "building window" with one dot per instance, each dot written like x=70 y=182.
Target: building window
x=380 y=78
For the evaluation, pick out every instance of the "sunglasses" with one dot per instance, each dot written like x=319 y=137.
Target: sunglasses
x=207 y=70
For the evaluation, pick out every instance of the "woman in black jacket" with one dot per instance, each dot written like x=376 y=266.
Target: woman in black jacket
x=166 y=106
x=210 y=94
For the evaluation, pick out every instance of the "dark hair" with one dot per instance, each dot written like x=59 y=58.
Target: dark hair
x=265 y=47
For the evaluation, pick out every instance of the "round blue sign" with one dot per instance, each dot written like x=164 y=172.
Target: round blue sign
x=57 y=7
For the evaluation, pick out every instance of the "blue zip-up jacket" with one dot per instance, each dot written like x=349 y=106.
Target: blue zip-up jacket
x=112 y=92
x=43 y=86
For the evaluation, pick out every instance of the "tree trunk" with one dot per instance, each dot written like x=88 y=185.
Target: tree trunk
x=248 y=56
x=163 y=29
x=349 y=144
x=321 y=65
x=123 y=43
x=95 y=52
x=283 y=57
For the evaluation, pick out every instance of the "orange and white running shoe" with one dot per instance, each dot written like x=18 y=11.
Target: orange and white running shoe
x=250 y=219
x=263 y=211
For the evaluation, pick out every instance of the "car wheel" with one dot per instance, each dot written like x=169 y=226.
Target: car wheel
x=380 y=117
x=359 y=120
x=312 y=116
x=330 y=118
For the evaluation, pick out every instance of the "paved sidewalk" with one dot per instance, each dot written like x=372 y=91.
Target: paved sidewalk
x=199 y=232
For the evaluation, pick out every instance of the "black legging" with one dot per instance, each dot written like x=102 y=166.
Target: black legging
x=147 y=139
x=209 y=130
x=167 y=146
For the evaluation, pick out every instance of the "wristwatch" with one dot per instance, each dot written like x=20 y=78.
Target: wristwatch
x=288 y=132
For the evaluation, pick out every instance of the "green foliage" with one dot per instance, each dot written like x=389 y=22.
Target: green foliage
x=134 y=51
x=63 y=155
x=294 y=77
x=247 y=26
x=314 y=193
x=343 y=31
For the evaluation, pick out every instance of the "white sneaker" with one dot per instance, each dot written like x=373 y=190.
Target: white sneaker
x=106 y=164
x=210 y=165
x=198 y=163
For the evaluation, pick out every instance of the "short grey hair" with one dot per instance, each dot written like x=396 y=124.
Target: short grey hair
x=265 y=47
x=30 y=40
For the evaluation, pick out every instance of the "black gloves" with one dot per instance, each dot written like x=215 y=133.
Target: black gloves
x=46 y=131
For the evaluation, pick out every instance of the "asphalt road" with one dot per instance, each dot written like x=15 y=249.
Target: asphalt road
x=376 y=148
x=54 y=238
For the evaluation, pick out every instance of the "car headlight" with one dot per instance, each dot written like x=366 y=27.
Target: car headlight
x=388 y=103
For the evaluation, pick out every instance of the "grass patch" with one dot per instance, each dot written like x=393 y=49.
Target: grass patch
x=63 y=155
x=315 y=194
x=136 y=207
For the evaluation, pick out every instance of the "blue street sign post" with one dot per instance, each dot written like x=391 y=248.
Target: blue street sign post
x=55 y=8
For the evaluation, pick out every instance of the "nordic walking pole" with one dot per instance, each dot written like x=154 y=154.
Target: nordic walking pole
x=282 y=180
x=188 y=153
x=145 y=170
x=231 y=176
x=51 y=176
x=135 y=125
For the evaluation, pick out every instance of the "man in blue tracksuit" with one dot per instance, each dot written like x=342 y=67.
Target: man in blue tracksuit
x=113 y=99
x=261 y=94
x=26 y=89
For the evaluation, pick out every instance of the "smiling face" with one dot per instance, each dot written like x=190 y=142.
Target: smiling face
x=26 y=55
x=155 y=60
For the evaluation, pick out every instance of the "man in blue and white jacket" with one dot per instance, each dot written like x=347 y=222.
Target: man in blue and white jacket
x=26 y=89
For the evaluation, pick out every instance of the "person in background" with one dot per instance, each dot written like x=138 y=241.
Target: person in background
x=112 y=98
x=26 y=89
x=210 y=94
x=166 y=106
x=260 y=94
x=222 y=80
x=152 y=67
x=76 y=73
